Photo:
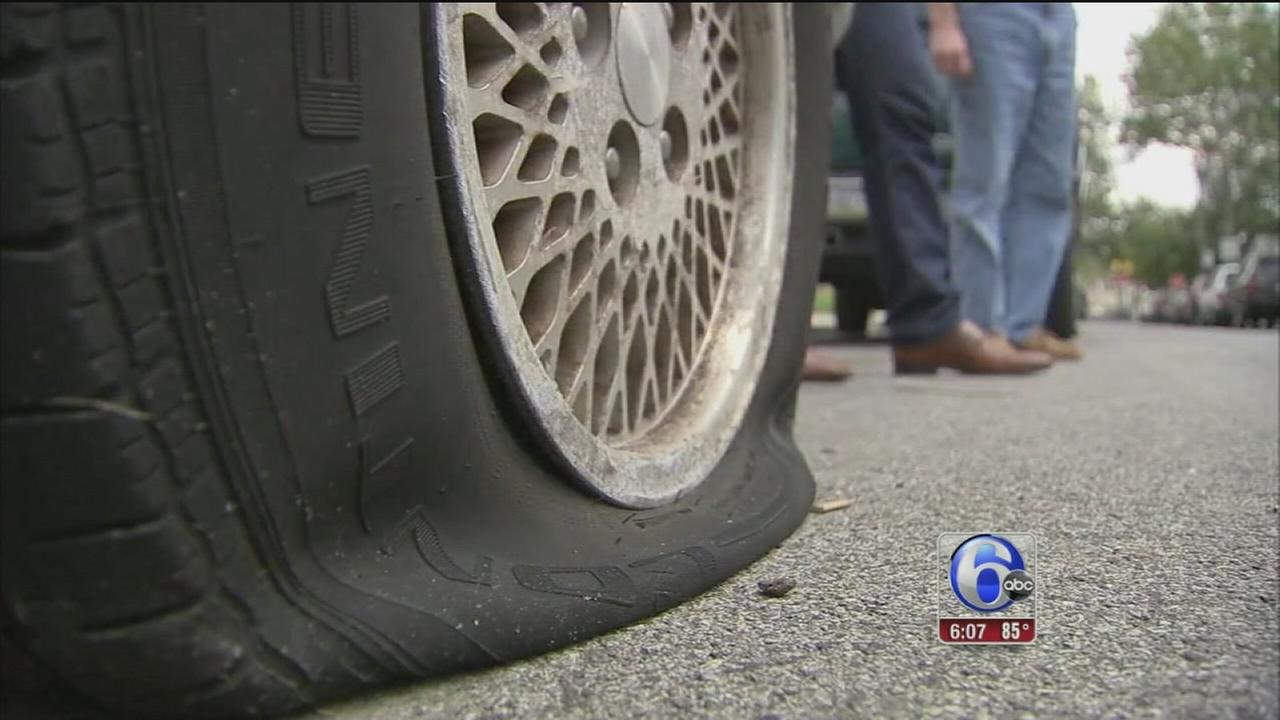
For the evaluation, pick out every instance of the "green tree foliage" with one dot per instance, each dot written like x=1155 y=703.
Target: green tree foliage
x=1096 y=178
x=1159 y=241
x=1207 y=77
x=1096 y=211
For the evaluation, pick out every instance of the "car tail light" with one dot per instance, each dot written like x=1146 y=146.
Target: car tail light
x=1251 y=288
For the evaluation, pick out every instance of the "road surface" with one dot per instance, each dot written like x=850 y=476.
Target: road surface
x=1149 y=473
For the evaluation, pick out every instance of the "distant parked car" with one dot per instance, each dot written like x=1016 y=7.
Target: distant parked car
x=1255 y=296
x=1179 y=305
x=1151 y=305
x=1167 y=305
x=1175 y=302
x=1211 y=297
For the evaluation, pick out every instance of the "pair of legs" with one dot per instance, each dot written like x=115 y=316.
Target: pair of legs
x=1013 y=120
x=882 y=65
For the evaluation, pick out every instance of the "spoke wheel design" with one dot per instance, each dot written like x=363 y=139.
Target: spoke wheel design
x=624 y=171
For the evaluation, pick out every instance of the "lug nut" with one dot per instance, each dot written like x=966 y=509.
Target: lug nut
x=578 y=18
x=612 y=163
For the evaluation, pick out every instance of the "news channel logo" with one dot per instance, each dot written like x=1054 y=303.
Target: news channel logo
x=987 y=575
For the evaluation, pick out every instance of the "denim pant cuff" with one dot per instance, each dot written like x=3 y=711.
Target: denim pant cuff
x=927 y=325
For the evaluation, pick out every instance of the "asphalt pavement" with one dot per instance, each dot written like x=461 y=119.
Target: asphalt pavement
x=1149 y=473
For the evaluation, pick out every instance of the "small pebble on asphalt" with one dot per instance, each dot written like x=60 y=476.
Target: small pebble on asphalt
x=776 y=587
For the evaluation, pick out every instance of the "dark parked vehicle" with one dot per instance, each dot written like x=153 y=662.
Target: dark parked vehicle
x=1211 y=295
x=1158 y=310
x=1180 y=304
x=1170 y=305
x=1255 y=296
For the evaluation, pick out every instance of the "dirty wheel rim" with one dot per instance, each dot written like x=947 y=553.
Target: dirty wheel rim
x=624 y=173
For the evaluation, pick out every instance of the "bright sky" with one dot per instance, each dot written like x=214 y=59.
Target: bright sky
x=1163 y=174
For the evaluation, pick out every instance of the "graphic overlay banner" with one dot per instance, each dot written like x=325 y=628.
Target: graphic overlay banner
x=987 y=588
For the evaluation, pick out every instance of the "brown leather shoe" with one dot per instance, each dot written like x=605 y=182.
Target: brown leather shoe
x=967 y=349
x=1046 y=342
x=819 y=367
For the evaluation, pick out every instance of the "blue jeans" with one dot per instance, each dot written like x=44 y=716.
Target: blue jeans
x=1014 y=123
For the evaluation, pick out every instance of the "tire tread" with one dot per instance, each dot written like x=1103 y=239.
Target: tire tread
x=91 y=360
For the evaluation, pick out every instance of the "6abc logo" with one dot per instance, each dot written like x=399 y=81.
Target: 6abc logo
x=988 y=574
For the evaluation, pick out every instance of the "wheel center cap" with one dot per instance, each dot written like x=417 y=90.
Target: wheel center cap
x=644 y=60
